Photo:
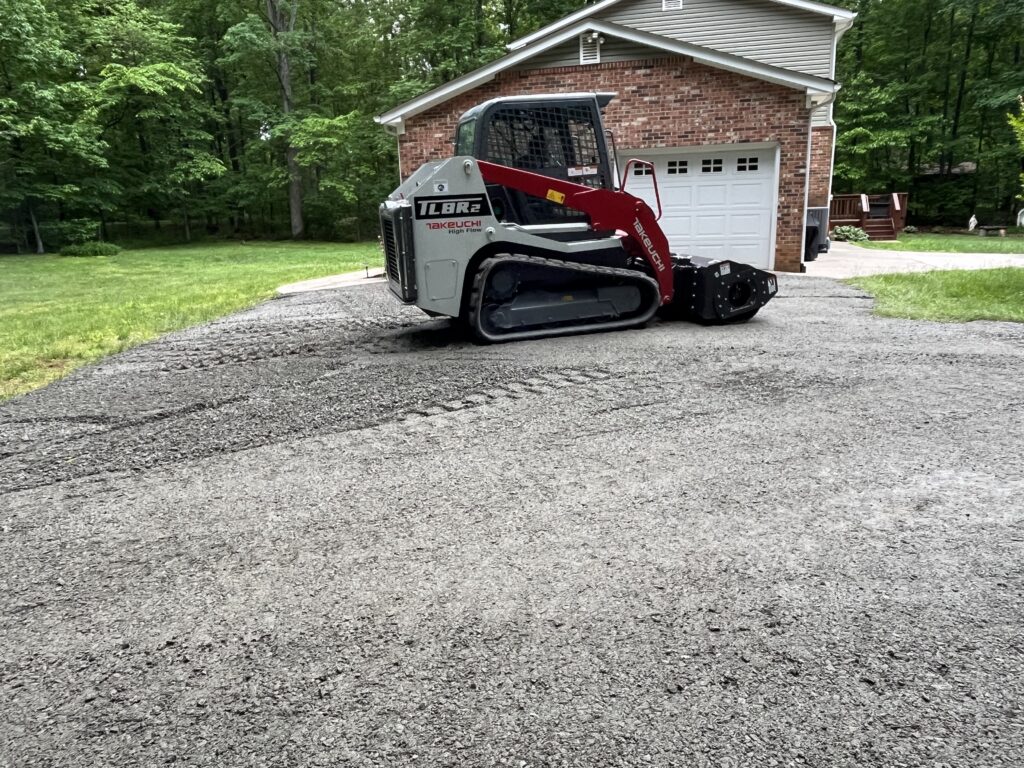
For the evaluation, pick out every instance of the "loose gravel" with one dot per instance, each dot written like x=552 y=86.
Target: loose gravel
x=331 y=531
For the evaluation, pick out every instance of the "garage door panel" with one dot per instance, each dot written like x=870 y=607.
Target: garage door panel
x=676 y=197
x=748 y=253
x=680 y=226
x=747 y=193
x=707 y=250
x=719 y=214
x=712 y=195
x=749 y=224
x=711 y=225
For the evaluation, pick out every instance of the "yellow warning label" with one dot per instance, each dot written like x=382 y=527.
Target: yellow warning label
x=556 y=197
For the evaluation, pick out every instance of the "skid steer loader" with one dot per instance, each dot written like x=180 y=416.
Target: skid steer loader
x=526 y=232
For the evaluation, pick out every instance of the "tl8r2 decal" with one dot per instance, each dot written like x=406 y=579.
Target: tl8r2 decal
x=451 y=206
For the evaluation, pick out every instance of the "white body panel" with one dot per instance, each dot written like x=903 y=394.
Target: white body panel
x=444 y=245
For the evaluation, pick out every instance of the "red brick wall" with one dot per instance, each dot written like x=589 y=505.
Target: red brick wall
x=661 y=102
x=821 y=167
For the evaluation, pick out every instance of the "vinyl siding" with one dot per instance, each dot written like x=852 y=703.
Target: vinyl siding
x=822 y=117
x=568 y=54
x=756 y=29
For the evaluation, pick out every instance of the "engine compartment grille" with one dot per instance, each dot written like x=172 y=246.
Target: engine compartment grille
x=387 y=234
x=399 y=257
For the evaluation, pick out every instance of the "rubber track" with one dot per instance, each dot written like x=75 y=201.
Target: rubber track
x=591 y=269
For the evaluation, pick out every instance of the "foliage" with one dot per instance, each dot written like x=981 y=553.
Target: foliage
x=91 y=249
x=926 y=85
x=849 y=234
x=1017 y=124
x=960 y=296
x=947 y=243
x=57 y=314
x=256 y=118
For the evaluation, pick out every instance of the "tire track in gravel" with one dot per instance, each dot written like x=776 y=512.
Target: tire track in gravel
x=243 y=344
x=239 y=423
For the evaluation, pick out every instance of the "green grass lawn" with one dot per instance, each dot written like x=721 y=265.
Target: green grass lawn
x=962 y=295
x=57 y=313
x=1013 y=243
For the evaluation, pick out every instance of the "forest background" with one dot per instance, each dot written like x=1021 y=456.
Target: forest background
x=162 y=121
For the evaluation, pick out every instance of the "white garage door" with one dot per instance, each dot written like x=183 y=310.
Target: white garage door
x=719 y=204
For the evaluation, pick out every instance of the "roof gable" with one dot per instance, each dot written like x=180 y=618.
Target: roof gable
x=839 y=16
x=818 y=89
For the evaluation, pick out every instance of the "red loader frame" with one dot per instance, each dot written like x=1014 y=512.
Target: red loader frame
x=619 y=211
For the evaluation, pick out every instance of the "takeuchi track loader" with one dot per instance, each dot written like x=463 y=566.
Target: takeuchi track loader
x=526 y=233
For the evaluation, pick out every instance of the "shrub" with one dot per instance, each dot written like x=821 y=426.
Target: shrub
x=849 y=234
x=69 y=231
x=91 y=249
x=910 y=230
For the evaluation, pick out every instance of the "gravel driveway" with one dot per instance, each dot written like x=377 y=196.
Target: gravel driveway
x=329 y=531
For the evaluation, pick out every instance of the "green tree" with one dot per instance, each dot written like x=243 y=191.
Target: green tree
x=1017 y=124
x=925 y=86
x=49 y=132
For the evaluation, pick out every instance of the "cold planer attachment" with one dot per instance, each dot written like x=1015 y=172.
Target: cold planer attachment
x=718 y=292
x=524 y=233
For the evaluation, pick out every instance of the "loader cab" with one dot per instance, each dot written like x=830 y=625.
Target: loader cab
x=557 y=136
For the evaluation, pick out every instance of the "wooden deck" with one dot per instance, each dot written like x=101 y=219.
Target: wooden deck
x=881 y=216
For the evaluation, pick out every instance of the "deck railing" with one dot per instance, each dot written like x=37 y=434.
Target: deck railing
x=848 y=209
x=859 y=209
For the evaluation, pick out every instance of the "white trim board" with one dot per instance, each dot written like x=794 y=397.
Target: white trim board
x=732 y=146
x=816 y=88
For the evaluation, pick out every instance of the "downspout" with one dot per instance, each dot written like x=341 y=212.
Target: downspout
x=807 y=188
x=807 y=170
x=840 y=29
x=396 y=129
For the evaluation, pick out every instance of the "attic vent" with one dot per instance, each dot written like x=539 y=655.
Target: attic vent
x=671 y=5
x=590 y=48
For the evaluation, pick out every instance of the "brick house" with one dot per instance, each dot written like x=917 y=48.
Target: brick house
x=730 y=99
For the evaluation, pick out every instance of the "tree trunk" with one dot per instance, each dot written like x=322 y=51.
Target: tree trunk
x=35 y=230
x=961 y=84
x=188 y=228
x=280 y=23
x=943 y=154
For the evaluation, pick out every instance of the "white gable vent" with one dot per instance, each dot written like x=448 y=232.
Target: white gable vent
x=671 y=5
x=590 y=48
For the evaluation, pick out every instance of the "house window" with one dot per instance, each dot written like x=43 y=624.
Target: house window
x=641 y=170
x=711 y=166
x=677 y=167
x=746 y=164
x=590 y=48
x=671 y=5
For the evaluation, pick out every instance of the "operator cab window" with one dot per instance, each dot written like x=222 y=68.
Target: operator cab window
x=464 y=138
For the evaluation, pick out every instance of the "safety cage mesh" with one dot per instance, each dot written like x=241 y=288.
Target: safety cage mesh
x=557 y=141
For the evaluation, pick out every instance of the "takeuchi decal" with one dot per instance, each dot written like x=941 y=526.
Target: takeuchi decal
x=649 y=245
x=454 y=224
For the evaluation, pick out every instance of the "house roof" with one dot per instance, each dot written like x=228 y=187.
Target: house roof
x=818 y=89
x=840 y=16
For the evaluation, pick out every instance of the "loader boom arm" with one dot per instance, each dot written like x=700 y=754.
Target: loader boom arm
x=607 y=210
